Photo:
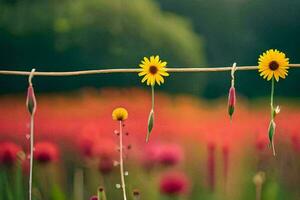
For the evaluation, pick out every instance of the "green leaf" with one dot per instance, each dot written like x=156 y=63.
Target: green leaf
x=150 y=124
x=271 y=130
x=19 y=193
x=57 y=193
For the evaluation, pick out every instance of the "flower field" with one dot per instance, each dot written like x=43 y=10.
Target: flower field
x=195 y=151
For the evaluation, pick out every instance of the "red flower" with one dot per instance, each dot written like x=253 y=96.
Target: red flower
x=295 y=139
x=173 y=183
x=225 y=153
x=45 y=152
x=105 y=150
x=261 y=142
x=87 y=141
x=9 y=153
x=106 y=165
x=170 y=155
x=211 y=164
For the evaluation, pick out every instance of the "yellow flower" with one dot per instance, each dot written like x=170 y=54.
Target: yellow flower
x=153 y=70
x=273 y=63
x=119 y=114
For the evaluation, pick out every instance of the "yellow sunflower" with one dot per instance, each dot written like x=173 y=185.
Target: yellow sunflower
x=273 y=63
x=153 y=70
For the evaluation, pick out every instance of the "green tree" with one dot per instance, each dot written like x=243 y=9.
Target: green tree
x=98 y=33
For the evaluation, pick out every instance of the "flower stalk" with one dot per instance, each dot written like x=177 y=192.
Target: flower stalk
x=273 y=65
x=121 y=161
x=31 y=106
x=258 y=181
x=272 y=124
x=151 y=115
x=101 y=194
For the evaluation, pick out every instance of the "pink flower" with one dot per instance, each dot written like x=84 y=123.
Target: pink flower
x=173 y=183
x=170 y=155
x=45 y=152
x=231 y=101
x=9 y=153
x=94 y=198
x=150 y=156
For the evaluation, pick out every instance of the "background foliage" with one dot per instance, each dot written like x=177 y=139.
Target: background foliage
x=72 y=35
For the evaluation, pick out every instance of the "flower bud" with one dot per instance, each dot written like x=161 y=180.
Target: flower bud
x=136 y=195
x=150 y=124
x=31 y=101
x=101 y=194
x=259 y=178
x=231 y=101
x=271 y=130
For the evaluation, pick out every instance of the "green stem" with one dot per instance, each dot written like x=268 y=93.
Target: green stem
x=152 y=92
x=31 y=154
x=272 y=99
x=272 y=113
x=121 y=162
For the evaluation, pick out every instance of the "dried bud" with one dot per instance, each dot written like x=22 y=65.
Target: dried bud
x=101 y=194
x=259 y=178
x=136 y=194
x=231 y=101
x=31 y=101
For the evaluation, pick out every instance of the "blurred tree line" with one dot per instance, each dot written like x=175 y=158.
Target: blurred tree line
x=90 y=34
x=239 y=31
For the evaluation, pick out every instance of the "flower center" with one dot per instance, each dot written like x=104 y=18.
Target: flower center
x=273 y=65
x=153 y=69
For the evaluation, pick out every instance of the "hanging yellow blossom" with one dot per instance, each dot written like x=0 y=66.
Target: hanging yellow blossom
x=153 y=70
x=273 y=63
x=119 y=114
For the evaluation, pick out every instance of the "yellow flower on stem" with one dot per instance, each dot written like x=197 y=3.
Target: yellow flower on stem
x=119 y=114
x=273 y=63
x=153 y=70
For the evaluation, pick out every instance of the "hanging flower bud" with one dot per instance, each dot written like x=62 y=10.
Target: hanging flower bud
x=31 y=101
x=271 y=131
x=150 y=124
x=231 y=101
